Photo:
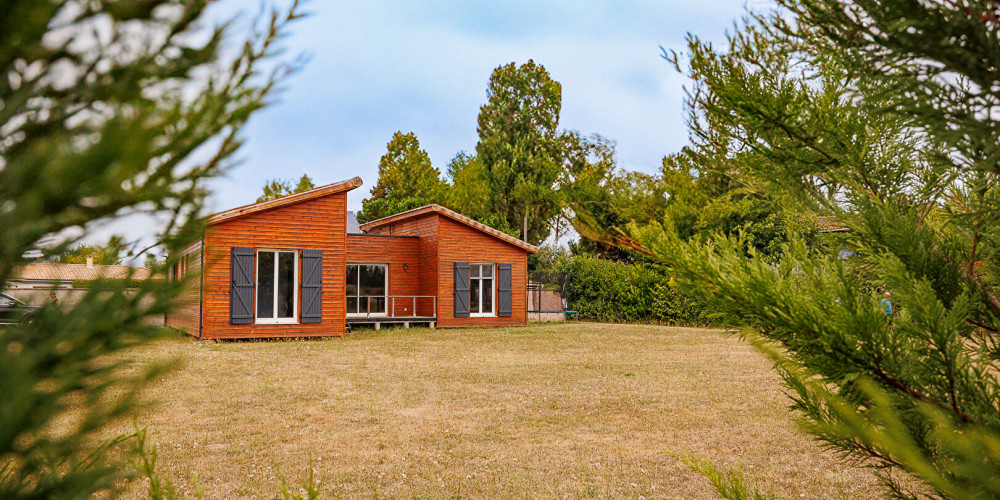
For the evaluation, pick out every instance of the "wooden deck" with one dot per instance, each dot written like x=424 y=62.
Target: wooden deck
x=378 y=321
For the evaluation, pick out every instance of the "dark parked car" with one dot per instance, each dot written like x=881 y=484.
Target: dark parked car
x=13 y=311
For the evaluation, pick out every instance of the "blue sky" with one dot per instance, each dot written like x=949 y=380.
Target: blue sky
x=379 y=66
x=423 y=66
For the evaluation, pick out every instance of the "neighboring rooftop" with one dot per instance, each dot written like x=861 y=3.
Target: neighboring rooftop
x=291 y=199
x=352 y=223
x=451 y=214
x=831 y=224
x=74 y=272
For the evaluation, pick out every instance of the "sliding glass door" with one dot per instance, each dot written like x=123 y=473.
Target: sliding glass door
x=366 y=289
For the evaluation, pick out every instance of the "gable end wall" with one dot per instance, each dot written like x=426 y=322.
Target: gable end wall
x=460 y=243
x=319 y=224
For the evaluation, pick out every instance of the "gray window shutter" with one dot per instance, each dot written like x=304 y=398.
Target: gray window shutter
x=461 y=289
x=241 y=286
x=505 y=290
x=312 y=286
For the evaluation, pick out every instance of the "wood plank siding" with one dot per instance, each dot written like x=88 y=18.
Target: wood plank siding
x=318 y=224
x=404 y=267
x=426 y=228
x=419 y=249
x=460 y=243
x=187 y=316
x=443 y=242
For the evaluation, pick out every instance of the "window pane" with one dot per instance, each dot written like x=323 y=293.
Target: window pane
x=487 y=296
x=265 y=285
x=373 y=289
x=487 y=271
x=373 y=281
x=474 y=296
x=286 y=285
x=474 y=271
x=352 y=282
x=352 y=305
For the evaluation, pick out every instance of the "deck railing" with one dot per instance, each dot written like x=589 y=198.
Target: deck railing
x=392 y=306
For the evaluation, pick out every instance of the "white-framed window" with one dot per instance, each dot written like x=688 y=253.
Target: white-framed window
x=277 y=283
x=367 y=288
x=482 y=291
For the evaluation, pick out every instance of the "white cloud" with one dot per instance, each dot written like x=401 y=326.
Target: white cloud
x=382 y=66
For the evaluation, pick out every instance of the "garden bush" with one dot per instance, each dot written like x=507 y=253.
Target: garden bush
x=623 y=292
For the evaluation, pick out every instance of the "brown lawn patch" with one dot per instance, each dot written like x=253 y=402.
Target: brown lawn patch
x=566 y=410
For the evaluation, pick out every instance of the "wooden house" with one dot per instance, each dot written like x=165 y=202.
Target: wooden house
x=290 y=268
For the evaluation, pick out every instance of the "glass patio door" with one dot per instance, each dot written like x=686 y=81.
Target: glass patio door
x=366 y=289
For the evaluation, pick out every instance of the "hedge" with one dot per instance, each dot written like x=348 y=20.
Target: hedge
x=604 y=290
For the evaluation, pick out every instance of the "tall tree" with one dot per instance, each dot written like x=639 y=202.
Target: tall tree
x=587 y=185
x=109 y=109
x=878 y=113
x=279 y=188
x=405 y=171
x=406 y=180
x=469 y=193
x=469 y=189
x=519 y=147
x=108 y=254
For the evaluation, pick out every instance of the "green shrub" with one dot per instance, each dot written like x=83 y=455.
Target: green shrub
x=620 y=292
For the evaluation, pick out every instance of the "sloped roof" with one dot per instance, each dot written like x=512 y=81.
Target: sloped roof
x=329 y=189
x=451 y=214
x=831 y=224
x=74 y=272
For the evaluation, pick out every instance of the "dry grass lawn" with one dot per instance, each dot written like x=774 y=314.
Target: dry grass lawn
x=564 y=410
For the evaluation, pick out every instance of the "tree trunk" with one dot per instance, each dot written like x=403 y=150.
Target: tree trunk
x=524 y=233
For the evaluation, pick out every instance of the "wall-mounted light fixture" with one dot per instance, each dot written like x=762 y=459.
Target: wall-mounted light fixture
x=406 y=267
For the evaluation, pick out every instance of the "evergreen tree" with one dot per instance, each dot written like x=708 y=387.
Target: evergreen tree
x=153 y=261
x=519 y=147
x=405 y=171
x=109 y=254
x=406 y=180
x=468 y=193
x=279 y=188
x=879 y=114
x=378 y=208
x=469 y=189
x=104 y=106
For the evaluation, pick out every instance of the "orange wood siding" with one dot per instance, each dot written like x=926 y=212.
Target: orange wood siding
x=395 y=252
x=443 y=242
x=188 y=315
x=319 y=223
x=426 y=227
x=460 y=243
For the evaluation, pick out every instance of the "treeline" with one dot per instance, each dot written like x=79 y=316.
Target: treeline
x=532 y=180
x=525 y=175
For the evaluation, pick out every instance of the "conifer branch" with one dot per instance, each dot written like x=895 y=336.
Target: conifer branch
x=884 y=378
x=985 y=18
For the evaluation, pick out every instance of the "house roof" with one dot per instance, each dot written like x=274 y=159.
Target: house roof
x=352 y=223
x=831 y=224
x=74 y=272
x=451 y=214
x=329 y=189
